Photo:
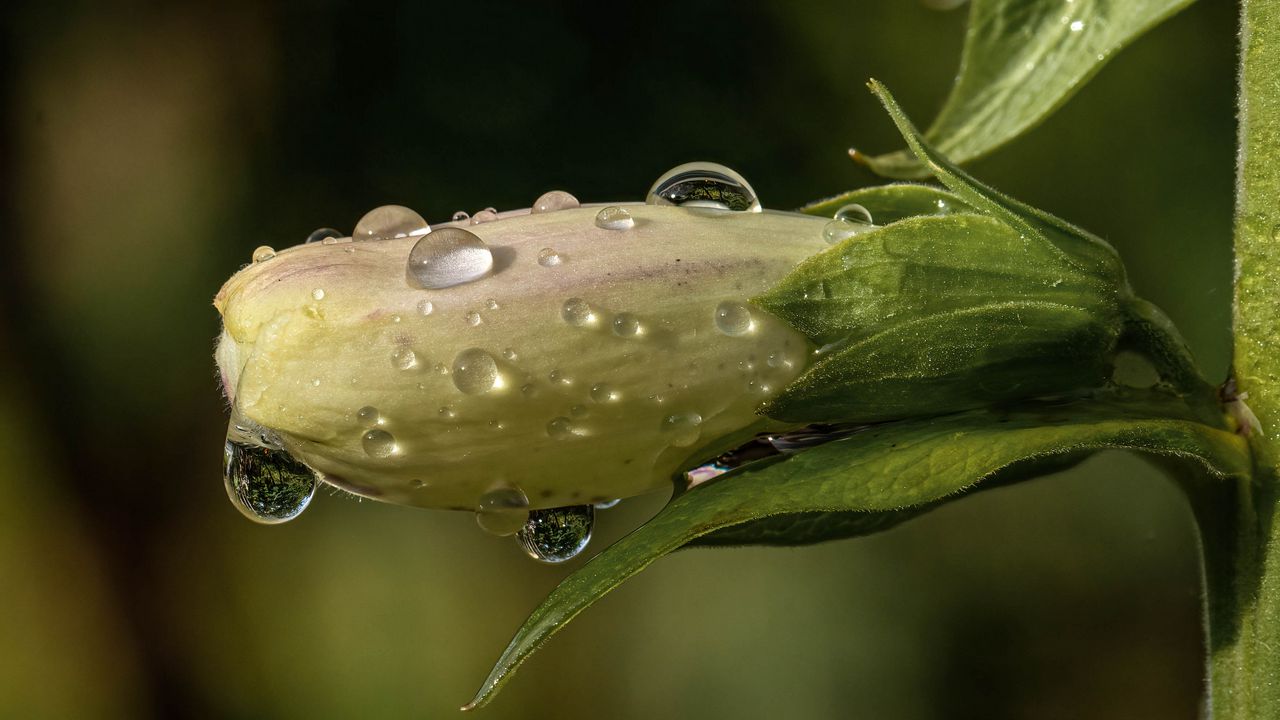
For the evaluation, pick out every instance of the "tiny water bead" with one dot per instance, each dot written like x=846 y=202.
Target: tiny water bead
x=615 y=218
x=704 y=184
x=473 y=318
x=319 y=236
x=602 y=393
x=683 y=428
x=557 y=534
x=849 y=220
x=447 y=412
x=733 y=319
x=548 y=257
x=369 y=415
x=509 y=354
x=389 y=222
x=475 y=371
x=317 y=294
x=378 y=443
x=484 y=216
x=554 y=200
x=491 y=304
x=561 y=428
x=447 y=257
x=502 y=511
x=264 y=482
x=263 y=252
x=577 y=312
x=460 y=216
x=426 y=307
x=625 y=325
x=605 y=505
x=404 y=359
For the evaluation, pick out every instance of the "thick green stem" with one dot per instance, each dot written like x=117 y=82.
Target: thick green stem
x=1239 y=524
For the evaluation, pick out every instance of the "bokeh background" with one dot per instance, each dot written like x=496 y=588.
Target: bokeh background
x=149 y=147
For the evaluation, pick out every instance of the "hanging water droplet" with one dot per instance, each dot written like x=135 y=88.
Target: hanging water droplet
x=615 y=218
x=388 y=222
x=265 y=483
x=603 y=393
x=683 y=428
x=484 y=216
x=263 y=252
x=322 y=234
x=577 y=312
x=849 y=220
x=474 y=371
x=378 y=443
x=502 y=511
x=605 y=505
x=403 y=358
x=557 y=534
x=460 y=216
x=733 y=319
x=704 y=184
x=369 y=415
x=447 y=257
x=549 y=258
x=625 y=325
x=554 y=200
x=426 y=307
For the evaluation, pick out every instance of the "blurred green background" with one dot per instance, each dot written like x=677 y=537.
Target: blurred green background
x=150 y=147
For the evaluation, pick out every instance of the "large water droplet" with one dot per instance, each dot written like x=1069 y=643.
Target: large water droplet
x=615 y=218
x=733 y=319
x=378 y=443
x=323 y=234
x=265 y=483
x=704 y=184
x=447 y=257
x=577 y=312
x=554 y=200
x=683 y=428
x=369 y=415
x=389 y=221
x=625 y=325
x=849 y=220
x=263 y=252
x=557 y=534
x=502 y=511
x=547 y=257
x=404 y=359
x=475 y=371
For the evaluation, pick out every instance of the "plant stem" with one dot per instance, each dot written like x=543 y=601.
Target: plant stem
x=1239 y=527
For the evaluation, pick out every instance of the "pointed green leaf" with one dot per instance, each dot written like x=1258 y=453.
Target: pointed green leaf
x=891 y=203
x=883 y=470
x=1023 y=59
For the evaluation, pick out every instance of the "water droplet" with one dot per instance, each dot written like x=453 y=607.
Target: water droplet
x=315 y=382
x=265 y=483
x=484 y=216
x=704 y=184
x=607 y=504
x=779 y=360
x=448 y=412
x=733 y=319
x=426 y=307
x=403 y=358
x=615 y=218
x=578 y=411
x=395 y=319
x=683 y=428
x=509 y=354
x=557 y=534
x=378 y=443
x=502 y=511
x=853 y=212
x=473 y=318
x=554 y=200
x=417 y=484
x=263 y=252
x=561 y=428
x=491 y=304
x=603 y=393
x=1077 y=25
x=450 y=256
x=850 y=220
x=577 y=312
x=460 y=216
x=369 y=415
x=317 y=294
x=474 y=371
x=549 y=258
x=389 y=221
x=322 y=234
x=625 y=325
x=442 y=369
x=559 y=377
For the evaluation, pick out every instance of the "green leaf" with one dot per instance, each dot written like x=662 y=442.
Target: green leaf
x=1022 y=60
x=891 y=203
x=881 y=471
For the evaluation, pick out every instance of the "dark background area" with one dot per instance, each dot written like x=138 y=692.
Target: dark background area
x=150 y=147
